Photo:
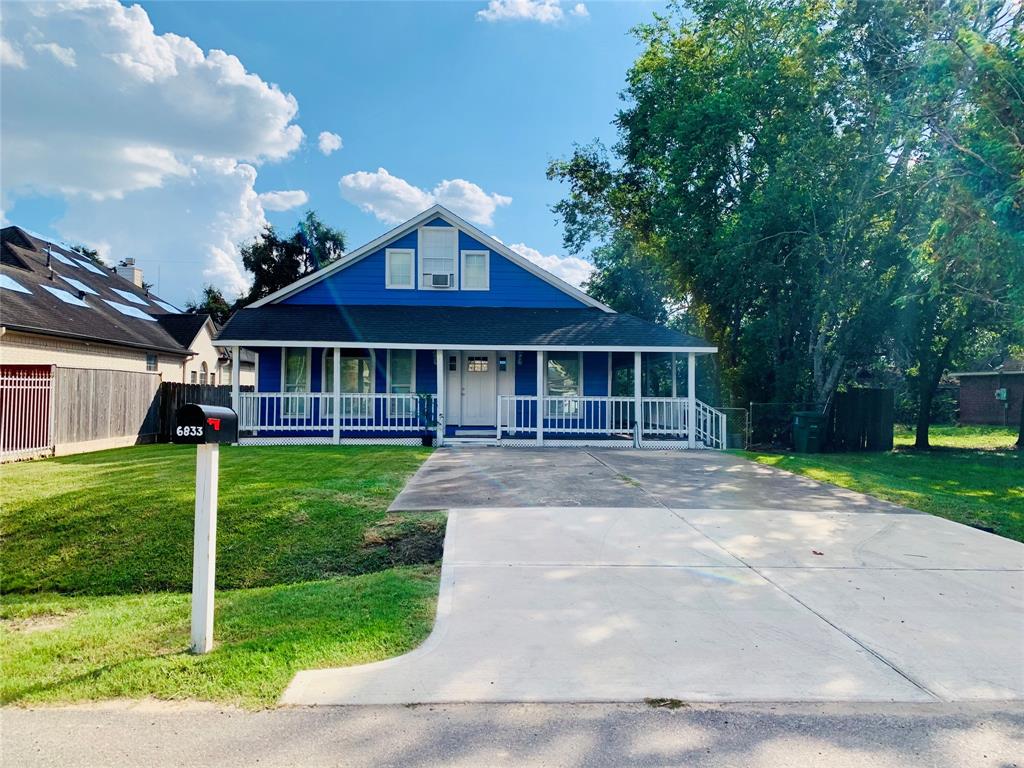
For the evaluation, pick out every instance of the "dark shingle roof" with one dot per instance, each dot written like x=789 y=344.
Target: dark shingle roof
x=24 y=260
x=183 y=327
x=497 y=327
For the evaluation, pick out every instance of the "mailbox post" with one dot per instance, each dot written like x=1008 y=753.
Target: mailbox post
x=206 y=427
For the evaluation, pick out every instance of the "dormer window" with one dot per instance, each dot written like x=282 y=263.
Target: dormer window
x=475 y=270
x=438 y=258
x=400 y=272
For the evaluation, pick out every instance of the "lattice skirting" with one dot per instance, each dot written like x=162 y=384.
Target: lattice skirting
x=329 y=441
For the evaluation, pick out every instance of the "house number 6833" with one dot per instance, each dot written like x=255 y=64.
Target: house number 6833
x=190 y=431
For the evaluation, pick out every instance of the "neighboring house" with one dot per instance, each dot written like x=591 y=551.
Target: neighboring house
x=84 y=348
x=992 y=395
x=436 y=329
x=209 y=364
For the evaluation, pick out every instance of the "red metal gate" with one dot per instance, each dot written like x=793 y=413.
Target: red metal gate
x=25 y=410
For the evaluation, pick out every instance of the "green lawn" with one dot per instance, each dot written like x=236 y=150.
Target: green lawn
x=972 y=475
x=311 y=571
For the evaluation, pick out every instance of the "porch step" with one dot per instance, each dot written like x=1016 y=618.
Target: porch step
x=471 y=441
x=487 y=433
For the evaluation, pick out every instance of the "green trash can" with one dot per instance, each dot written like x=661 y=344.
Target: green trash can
x=808 y=431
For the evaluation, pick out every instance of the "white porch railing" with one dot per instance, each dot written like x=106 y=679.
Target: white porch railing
x=567 y=415
x=315 y=412
x=610 y=416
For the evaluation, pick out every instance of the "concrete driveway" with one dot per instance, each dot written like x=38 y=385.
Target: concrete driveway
x=617 y=576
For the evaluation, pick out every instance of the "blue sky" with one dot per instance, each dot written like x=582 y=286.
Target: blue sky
x=427 y=91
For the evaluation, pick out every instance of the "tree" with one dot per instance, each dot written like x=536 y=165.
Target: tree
x=757 y=155
x=90 y=253
x=629 y=282
x=212 y=303
x=968 y=275
x=797 y=167
x=275 y=262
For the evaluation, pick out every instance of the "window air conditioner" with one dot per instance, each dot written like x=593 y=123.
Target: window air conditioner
x=441 y=280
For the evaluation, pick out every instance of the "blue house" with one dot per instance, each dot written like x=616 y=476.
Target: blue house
x=437 y=331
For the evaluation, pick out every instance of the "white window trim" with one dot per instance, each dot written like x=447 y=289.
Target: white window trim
x=309 y=372
x=412 y=383
x=387 y=269
x=579 y=355
x=328 y=386
x=419 y=259
x=487 y=267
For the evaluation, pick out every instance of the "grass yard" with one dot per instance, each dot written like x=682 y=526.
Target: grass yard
x=311 y=571
x=972 y=475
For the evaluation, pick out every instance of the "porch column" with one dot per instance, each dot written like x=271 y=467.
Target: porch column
x=638 y=430
x=441 y=379
x=235 y=399
x=674 y=388
x=540 y=397
x=691 y=400
x=336 y=394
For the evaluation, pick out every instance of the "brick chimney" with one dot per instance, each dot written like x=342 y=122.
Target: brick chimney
x=129 y=271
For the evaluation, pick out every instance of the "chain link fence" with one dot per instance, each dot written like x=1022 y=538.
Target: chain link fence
x=770 y=425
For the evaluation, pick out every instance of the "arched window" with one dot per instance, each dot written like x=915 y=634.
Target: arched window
x=203 y=372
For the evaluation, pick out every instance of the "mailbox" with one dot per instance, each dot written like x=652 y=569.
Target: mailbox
x=205 y=425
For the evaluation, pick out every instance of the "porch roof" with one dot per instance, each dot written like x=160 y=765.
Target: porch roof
x=514 y=328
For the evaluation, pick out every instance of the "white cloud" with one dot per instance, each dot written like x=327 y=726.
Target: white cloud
x=182 y=234
x=393 y=199
x=151 y=141
x=65 y=56
x=329 y=142
x=542 y=11
x=572 y=269
x=10 y=55
x=283 y=199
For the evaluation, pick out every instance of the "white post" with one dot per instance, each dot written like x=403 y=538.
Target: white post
x=235 y=367
x=441 y=378
x=638 y=430
x=674 y=387
x=336 y=394
x=691 y=400
x=204 y=547
x=540 y=397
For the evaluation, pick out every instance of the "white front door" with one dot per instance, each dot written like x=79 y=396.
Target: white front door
x=479 y=388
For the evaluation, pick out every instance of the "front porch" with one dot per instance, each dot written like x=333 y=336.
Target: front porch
x=611 y=398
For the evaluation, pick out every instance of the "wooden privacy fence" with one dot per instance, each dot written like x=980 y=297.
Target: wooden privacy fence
x=91 y=405
x=860 y=419
x=174 y=395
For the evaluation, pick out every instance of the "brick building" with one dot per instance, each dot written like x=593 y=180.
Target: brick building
x=992 y=396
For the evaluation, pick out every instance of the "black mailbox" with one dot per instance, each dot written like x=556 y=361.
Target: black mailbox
x=205 y=424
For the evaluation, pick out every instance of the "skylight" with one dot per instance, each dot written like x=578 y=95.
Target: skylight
x=78 y=284
x=12 y=285
x=129 y=296
x=124 y=309
x=67 y=298
x=165 y=305
x=64 y=259
x=92 y=267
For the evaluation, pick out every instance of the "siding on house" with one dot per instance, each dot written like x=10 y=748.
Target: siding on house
x=33 y=349
x=364 y=283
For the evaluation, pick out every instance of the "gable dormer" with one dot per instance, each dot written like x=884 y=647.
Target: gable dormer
x=434 y=259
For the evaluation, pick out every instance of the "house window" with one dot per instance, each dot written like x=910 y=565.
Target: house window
x=203 y=371
x=476 y=364
x=563 y=383
x=294 y=378
x=475 y=270
x=356 y=378
x=399 y=267
x=213 y=377
x=193 y=378
x=151 y=362
x=438 y=251
x=401 y=381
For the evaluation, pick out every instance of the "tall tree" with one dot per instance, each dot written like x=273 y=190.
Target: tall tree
x=628 y=281
x=275 y=262
x=212 y=303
